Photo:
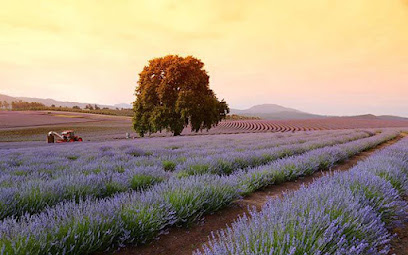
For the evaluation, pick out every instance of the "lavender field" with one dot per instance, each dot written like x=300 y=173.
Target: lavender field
x=204 y=127
x=348 y=213
x=102 y=196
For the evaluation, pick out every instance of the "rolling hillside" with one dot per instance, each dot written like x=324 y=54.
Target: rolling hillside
x=263 y=111
x=274 y=111
x=49 y=102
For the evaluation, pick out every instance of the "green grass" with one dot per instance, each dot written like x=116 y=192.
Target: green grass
x=169 y=165
x=141 y=181
x=144 y=221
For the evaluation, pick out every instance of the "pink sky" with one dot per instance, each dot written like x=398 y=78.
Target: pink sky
x=321 y=56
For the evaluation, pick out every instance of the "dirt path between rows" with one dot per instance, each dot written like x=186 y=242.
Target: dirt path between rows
x=400 y=243
x=182 y=241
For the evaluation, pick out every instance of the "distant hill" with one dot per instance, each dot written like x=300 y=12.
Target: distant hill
x=274 y=111
x=123 y=105
x=269 y=108
x=6 y=98
x=49 y=102
x=263 y=111
x=391 y=117
x=380 y=117
x=364 y=116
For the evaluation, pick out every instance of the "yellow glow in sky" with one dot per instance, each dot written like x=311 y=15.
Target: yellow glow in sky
x=321 y=56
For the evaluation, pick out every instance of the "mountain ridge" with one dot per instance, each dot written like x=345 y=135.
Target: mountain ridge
x=274 y=111
x=50 y=101
x=264 y=111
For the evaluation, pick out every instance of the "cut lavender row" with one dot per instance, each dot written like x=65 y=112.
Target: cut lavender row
x=347 y=213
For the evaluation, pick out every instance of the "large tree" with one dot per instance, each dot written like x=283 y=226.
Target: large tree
x=172 y=93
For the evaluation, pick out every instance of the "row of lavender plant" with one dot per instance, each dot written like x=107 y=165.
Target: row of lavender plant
x=252 y=140
x=45 y=163
x=348 y=213
x=170 y=144
x=229 y=162
x=32 y=196
x=41 y=163
x=17 y=166
x=86 y=226
x=291 y=168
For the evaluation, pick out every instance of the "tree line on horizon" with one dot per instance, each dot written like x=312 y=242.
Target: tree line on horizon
x=37 y=106
x=173 y=93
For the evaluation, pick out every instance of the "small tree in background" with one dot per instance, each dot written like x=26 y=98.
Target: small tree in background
x=6 y=105
x=173 y=92
x=89 y=107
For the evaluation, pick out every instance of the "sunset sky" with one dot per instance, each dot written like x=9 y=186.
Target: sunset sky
x=338 y=57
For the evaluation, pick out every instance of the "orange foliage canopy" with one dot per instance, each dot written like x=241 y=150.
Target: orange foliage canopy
x=173 y=92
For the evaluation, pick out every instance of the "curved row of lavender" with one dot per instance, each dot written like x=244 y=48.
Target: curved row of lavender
x=86 y=226
x=34 y=191
x=348 y=213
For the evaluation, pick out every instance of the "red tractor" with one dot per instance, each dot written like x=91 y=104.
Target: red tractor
x=64 y=137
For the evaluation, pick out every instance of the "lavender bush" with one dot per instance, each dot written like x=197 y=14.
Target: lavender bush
x=347 y=213
x=106 y=172
x=231 y=161
x=87 y=224
x=293 y=167
x=114 y=156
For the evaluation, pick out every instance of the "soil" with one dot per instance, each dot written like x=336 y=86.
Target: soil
x=184 y=241
x=400 y=243
x=17 y=126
